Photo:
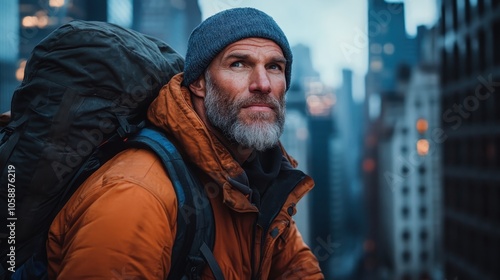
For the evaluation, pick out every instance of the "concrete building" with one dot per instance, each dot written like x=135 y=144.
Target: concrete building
x=410 y=193
x=391 y=55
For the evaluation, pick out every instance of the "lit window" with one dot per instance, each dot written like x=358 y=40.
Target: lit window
x=389 y=48
x=56 y=3
x=422 y=125
x=20 y=70
x=376 y=65
x=40 y=20
x=423 y=147
x=29 y=21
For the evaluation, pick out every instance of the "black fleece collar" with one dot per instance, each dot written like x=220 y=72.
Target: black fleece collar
x=262 y=168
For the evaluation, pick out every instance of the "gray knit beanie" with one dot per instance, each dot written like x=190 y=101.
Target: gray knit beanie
x=225 y=28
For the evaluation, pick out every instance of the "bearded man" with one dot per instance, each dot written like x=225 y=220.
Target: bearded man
x=225 y=113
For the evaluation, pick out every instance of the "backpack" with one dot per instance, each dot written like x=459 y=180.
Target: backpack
x=83 y=99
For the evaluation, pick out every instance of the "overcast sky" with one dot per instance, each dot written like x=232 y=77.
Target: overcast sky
x=327 y=25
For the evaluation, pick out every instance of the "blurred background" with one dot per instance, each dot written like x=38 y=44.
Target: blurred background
x=392 y=109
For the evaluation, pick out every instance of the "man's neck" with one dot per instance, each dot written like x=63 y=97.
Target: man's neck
x=239 y=153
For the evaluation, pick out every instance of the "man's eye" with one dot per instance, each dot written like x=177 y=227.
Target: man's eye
x=236 y=64
x=275 y=67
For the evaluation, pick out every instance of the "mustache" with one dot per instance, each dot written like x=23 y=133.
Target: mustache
x=275 y=104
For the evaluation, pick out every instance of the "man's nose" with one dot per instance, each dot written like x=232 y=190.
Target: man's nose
x=260 y=82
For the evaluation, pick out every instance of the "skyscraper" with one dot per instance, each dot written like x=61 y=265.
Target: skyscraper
x=170 y=21
x=393 y=246
x=324 y=162
x=470 y=77
x=347 y=216
x=390 y=48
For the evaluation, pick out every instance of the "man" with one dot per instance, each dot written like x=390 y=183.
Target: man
x=225 y=113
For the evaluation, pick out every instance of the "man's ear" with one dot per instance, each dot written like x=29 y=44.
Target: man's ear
x=198 y=87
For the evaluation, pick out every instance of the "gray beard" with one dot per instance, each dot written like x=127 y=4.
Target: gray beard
x=260 y=134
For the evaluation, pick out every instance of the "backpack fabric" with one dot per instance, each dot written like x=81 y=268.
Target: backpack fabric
x=86 y=89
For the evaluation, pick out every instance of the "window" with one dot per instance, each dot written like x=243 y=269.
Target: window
x=482 y=50
x=406 y=255
x=496 y=40
x=480 y=7
x=467 y=12
x=456 y=61
x=376 y=48
x=405 y=235
x=120 y=12
x=389 y=48
x=422 y=190
x=405 y=211
x=423 y=212
x=424 y=235
x=469 y=66
x=376 y=65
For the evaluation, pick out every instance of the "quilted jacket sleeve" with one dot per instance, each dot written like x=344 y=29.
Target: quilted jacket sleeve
x=119 y=228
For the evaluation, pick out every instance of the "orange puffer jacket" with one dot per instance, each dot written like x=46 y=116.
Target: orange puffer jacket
x=121 y=223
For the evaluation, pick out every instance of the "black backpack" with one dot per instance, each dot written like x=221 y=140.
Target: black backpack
x=84 y=97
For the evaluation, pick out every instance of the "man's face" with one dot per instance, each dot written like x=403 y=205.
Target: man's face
x=245 y=90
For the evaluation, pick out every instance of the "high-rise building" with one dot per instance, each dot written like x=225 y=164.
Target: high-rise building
x=403 y=217
x=296 y=136
x=390 y=55
x=324 y=162
x=410 y=180
x=9 y=52
x=170 y=21
x=295 y=139
x=390 y=48
x=347 y=217
x=470 y=78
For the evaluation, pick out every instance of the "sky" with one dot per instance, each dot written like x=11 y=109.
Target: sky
x=325 y=26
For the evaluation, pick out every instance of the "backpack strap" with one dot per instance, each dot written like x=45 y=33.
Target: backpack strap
x=211 y=261
x=195 y=221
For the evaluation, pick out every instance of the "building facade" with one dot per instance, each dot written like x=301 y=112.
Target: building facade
x=410 y=196
x=470 y=77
